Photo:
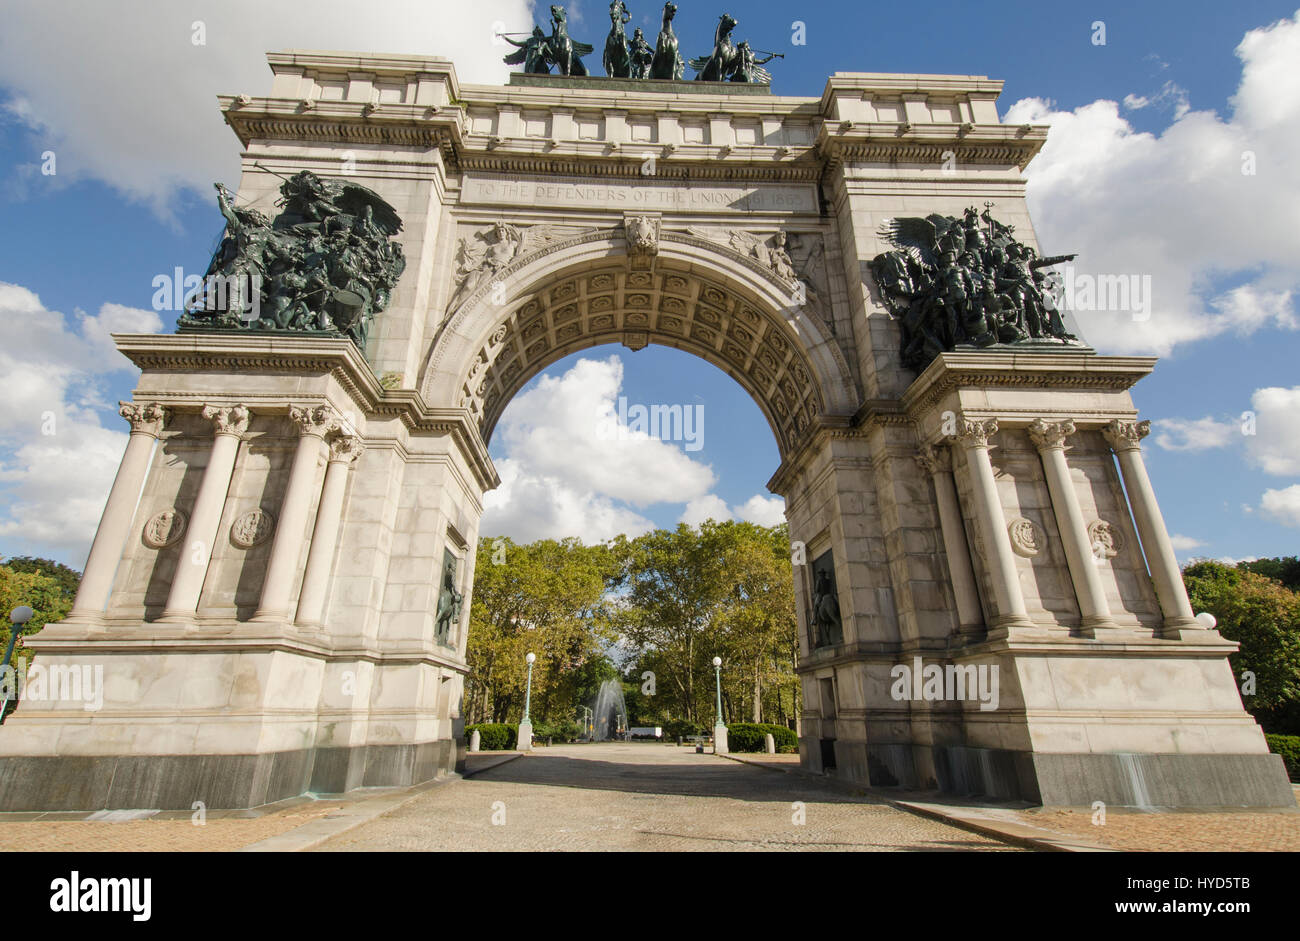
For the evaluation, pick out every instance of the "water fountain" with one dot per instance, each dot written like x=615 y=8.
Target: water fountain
x=609 y=714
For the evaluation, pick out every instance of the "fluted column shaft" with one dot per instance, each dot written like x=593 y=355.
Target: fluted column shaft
x=229 y=425
x=313 y=424
x=1007 y=594
x=114 y=526
x=1124 y=438
x=938 y=463
x=344 y=449
x=1049 y=438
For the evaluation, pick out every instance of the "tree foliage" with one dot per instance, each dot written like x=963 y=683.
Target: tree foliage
x=664 y=603
x=1263 y=616
x=547 y=598
x=49 y=595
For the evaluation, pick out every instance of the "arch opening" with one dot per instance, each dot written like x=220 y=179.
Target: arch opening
x=690 y=298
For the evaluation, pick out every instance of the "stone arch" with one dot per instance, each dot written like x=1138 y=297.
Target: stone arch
x=693 y=295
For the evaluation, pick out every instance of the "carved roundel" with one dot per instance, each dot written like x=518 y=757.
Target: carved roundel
x=1105 y=539
x=164 y=529
x=1026 y=538
x=252 y=529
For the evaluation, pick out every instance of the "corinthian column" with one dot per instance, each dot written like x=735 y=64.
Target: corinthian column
x=229 y=425
x=114 y=526
x=344 y=449
x=1049 y=438
x=1124 y=438
x=1007 y=595
x=938 y=463
x=313 y=423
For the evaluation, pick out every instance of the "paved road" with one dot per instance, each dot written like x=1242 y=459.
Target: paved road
x=620 y=796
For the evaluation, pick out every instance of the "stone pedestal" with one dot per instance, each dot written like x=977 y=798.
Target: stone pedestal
x=525 y=738
x=720 y=740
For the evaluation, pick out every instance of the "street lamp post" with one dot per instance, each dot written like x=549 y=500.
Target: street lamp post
x=526 y=727
x=586 y=721
x=8 y=676
x=719 y=729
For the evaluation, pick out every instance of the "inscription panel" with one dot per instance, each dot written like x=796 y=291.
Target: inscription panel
x=663 y=195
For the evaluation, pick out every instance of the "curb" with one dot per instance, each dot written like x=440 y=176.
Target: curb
x=972 y=820
x=346 y=818
x=349 y=817
x=1008 y=832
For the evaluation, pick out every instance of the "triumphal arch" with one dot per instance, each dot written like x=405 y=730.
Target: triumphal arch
x=278 y=590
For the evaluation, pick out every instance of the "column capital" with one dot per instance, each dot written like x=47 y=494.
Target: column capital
x=344 y=447
x=1050 y=435
x=228 y=421
x=315 y=420
x=1126 y=435
x=934 y=460
x=976 y=434
x=148 y=418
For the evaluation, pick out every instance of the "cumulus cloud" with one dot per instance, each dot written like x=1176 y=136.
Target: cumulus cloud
x=573 y=467
x=708 y=507
x=1201 y=434
x=57 y=460
x=1275 y=446
x=1185 y=543
x=139 y=111
x=764 y=511
x=1283 y=505
x=1209 y=201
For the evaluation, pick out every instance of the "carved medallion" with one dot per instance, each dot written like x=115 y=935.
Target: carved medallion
x=1105 y=539
x=252 y=529
x=1026 y=539
x=164 y=529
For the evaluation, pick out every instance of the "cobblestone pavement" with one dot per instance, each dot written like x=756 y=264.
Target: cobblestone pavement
x=1237 y=831
x=618 y=796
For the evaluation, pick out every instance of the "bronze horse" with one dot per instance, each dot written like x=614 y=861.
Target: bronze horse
x=618 y=63
x=667 y=62
x=719 y=66
x=566 y=52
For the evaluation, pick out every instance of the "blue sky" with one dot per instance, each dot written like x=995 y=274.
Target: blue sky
x=136 y=157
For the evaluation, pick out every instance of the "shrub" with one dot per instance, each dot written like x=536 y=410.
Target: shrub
x=751 y=736
x=675 y=727
x=1288 y=746
x=494 y=736
x=568 y=731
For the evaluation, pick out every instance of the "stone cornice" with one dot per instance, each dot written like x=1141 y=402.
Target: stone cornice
x=395 y=125
x=338 y=357
x=949 y=372
x=860 y=83
x=894 y=142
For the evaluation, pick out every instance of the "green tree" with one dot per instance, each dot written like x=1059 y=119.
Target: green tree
x=69 y=579
x=548 y=598
x=1285 y=570
x=44 y=594
x=1263 y=616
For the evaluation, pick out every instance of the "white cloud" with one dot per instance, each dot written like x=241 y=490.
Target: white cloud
x=1185 y=543
x=1275 y=446
x=570 y=462
x=1283 y=505
x=708 y=507
x=1201 y=434
x=765 y=511
x=57 y=461
x=138 y=110
x=1177 y=207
